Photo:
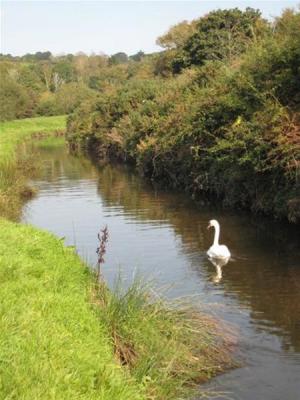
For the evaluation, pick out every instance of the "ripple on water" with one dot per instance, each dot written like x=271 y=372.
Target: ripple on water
x=163 y=236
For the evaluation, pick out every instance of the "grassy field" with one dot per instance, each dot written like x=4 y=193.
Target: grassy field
x=64 y=335
x=16 y=164
x=15 y=132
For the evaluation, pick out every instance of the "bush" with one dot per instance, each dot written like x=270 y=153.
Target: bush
x=229 y=128
x=15 y=101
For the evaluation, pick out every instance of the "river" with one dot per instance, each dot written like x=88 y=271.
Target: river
x=162 y=236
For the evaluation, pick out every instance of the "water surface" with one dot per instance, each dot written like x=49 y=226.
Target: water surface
x=162 y=236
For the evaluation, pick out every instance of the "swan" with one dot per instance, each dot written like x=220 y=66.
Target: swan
x=217 y=250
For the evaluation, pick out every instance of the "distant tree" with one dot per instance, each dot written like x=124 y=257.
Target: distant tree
x=43 y=55
x=71 y=95
x=47 y=105
x=28 y=76
x=81 y=66
x=118 y=58
x=65 y=70
x=46 y=71
x=7 y=57
x=15 y=101
x=138 y=56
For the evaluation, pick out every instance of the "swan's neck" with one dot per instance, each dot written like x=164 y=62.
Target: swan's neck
x=217 y=235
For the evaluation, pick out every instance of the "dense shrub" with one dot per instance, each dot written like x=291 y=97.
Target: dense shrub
x=15 y=100
x=227 y=127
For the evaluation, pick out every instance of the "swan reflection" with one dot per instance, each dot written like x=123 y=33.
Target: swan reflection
x=219 y=264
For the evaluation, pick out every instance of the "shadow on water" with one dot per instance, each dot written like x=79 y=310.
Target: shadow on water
x=163 y=234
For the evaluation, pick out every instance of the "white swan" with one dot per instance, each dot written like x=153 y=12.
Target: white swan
x=217 y=250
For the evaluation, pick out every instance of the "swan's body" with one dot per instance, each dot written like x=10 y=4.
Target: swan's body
x=217 y=250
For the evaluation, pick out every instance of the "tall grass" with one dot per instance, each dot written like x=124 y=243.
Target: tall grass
x=169 y=348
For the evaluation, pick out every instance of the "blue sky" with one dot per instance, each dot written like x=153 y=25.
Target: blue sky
x=104 y=26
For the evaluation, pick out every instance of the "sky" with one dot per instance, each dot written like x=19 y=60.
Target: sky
x=105 y=26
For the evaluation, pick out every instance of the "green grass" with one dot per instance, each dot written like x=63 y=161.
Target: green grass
x=50 y=142
x=52 y=344
x=12 y=133
x=15 y=161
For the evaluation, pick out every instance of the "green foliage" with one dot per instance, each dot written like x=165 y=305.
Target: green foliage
x=50 y=85
x=65 y=70
x=28 y=76
x=177 y=35
x=273 y=65
x=71 y=95
x=229 y=126
x=138 y=56
x=47 y=105
x=234 y=100
x=15 y=101
x=118 y=58
x=221 y=35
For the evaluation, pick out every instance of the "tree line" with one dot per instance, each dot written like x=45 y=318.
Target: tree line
x=44 y=84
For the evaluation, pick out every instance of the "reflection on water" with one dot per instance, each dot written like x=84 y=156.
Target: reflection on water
x=163 y=236
x=219 y=264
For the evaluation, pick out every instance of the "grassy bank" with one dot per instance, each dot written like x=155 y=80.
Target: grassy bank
x=52 y=344
x=16 y=164
x=64 y=336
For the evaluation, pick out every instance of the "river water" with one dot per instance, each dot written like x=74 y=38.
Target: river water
x=162 y=237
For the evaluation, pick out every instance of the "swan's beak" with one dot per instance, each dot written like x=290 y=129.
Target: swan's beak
x=209 y=226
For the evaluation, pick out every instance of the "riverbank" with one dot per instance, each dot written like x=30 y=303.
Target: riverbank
x=52 y=344
x=16 y=164
x=213 y=124
x=64 y=336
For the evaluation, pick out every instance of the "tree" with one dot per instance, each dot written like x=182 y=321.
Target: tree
x=65 y=70
x=118 y=58
x=138 y=56
x=28 y=76
x=70 y=95
x=15 y=102
x=177 y=35
x=43 y=55
x=221 y=35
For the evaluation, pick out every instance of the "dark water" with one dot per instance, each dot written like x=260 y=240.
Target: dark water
x=163 y=236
